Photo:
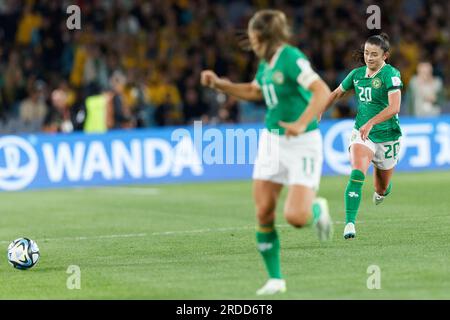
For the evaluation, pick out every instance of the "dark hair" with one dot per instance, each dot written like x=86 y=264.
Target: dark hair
x=381 y=40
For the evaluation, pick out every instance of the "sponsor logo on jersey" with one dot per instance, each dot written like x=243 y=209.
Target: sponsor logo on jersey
x=376 y=83
x=396 y=81
x=353 y=194
x=278 y=77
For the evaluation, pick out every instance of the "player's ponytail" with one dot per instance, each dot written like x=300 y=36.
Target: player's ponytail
x=358 y=55
x=385 y=36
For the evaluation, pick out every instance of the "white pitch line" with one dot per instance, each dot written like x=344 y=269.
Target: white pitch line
x=111 y=236
x=164 y=233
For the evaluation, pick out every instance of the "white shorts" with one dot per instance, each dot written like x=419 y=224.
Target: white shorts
x=288 y=161
x=385 y=153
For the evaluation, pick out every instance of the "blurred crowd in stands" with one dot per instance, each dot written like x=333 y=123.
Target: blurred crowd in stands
x=136 y=63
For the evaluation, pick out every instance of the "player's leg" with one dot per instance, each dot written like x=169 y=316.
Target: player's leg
x=360 y=158
x=265 y=195
x=384 y=162
x=382 y=183
x=303 y=208
x=298 y=206
x=303 y=157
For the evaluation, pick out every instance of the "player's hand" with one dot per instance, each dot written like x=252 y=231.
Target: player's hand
x=292 y=128
x=365 y=130
x=208 y=78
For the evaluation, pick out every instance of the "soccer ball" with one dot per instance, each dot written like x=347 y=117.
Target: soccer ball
x=23 y=253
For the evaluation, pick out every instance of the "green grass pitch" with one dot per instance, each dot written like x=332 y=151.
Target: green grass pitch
x=197 y=241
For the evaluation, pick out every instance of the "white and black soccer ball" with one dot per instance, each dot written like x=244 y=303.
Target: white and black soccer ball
x=23 y=253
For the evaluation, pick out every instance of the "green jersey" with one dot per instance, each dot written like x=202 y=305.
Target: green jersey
x=284 y=82
x=372 y=95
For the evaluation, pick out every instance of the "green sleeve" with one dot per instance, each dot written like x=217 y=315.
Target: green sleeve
x=393 y=80
x=347 y=83
x=258 y=74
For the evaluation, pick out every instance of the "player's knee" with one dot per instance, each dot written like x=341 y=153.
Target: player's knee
x=298 y=218
x=265 y=214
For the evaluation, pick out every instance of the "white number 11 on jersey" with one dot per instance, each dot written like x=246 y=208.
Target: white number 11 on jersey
x=269 y=95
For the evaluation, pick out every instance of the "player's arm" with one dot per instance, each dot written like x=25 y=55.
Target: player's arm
x=301 y=72
x=337 y=94
x=345 y=89
x=334 y=96
x=320 y=96
x=245 y=91
x=394 y=98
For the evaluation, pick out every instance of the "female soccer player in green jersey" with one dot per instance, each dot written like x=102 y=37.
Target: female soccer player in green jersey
x=290 y=148
x=375 y=137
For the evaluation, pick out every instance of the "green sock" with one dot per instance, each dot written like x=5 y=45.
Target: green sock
x=353 y=194
x=269 y=247
x=388 y=190
x=316 y=211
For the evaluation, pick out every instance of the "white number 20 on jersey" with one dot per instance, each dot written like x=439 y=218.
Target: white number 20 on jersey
x=365 y=94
